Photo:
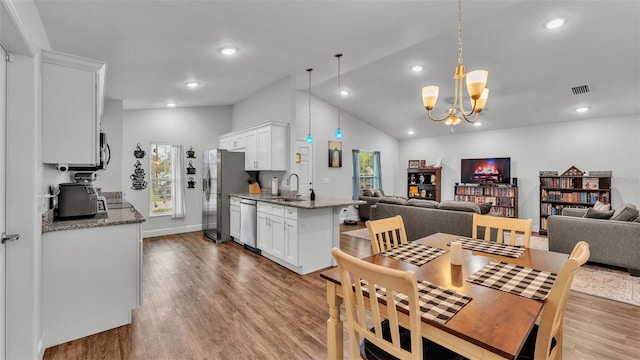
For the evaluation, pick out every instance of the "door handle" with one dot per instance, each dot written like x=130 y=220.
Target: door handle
x=6 y=237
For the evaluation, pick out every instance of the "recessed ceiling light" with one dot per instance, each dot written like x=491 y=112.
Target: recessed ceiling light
x=416 y=68
x=344 y=92
x=554 y=23
x=192 y=84
x=582 y=109
x=477 y=123
x=171 y=104
x=410 y=132
x=228 y=50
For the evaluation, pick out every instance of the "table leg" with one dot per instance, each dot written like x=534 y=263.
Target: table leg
x=335 y=339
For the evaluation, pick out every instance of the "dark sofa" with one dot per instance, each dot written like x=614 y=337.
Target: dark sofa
x=425 y=217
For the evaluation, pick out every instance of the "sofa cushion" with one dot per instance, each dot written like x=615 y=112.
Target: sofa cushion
x=392 y=200
x=423 y=203
x=601 y=206
x=466 y=206
x=625 y=212
x=598 y=214
x=485 y=208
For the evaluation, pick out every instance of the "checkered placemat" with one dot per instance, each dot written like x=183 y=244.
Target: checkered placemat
x=436 y=303
x=414 y=253
x=515 y=279
x=491 y=247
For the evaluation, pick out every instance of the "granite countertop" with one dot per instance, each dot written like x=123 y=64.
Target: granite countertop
x=304 y=202
x=127 y=215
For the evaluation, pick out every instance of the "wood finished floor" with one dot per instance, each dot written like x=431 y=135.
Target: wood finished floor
x=208 y=301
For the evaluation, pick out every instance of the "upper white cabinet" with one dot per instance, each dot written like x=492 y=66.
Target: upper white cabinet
x=72 y=104
x=233 y=142
x=264 y=146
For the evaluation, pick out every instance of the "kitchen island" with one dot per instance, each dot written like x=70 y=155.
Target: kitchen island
x=298 y=233
x=91 y=273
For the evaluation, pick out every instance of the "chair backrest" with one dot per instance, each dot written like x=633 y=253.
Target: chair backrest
x=500 y=225
x=386 y=233
x=393 y=281
x=551 y=319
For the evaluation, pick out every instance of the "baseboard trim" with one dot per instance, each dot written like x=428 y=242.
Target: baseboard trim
x=171 y=231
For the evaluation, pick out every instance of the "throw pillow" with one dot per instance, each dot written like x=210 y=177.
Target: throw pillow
x=601 y=206
x=367 y=192
x=626 y=212
x=377 y=192
x=598 y=214
x=423 y=203
x=467 y=206
x=485 y=208
x=392 y=200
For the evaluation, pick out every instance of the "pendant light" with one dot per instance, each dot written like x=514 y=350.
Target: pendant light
x=309 y=136
x=338 y=130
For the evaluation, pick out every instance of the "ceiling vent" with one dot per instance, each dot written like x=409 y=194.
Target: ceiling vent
x=582 y=89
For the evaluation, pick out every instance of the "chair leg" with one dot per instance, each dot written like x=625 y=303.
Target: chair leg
x=634 y=272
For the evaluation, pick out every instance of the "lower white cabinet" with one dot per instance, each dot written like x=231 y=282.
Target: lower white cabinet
x=234 y=218
x=271 y=229
x=91 y=280
x=296 y=238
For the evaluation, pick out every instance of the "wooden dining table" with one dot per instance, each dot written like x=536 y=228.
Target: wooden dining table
x=493 y=325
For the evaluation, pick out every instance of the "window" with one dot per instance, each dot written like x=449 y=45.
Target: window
x=366 y=171
x=161 y=179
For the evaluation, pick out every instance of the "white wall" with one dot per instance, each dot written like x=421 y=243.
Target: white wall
x=197 y=127
x=336 y=182
x=275 y=102
x=600 y=144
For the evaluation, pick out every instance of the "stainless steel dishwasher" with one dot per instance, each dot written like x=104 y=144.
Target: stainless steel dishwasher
x=248 y=227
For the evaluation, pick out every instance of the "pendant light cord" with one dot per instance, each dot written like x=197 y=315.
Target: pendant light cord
x=309 y=71
x=339 y=56
x=459 y=32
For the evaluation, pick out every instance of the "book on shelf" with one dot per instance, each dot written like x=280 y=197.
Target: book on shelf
x=590 y=183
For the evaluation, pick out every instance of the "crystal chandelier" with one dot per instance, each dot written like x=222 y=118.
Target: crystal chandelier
x=476 y=81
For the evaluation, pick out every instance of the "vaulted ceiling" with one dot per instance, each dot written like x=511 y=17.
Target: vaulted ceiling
x=153 y=48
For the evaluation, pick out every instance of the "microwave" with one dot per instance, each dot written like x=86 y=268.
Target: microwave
x=103 y=159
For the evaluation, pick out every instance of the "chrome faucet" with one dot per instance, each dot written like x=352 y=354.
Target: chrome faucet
x=297 y=182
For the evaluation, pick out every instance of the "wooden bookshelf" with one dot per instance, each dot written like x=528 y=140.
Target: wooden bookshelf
x=573 y=191
x=504 y=198
x=424 y=183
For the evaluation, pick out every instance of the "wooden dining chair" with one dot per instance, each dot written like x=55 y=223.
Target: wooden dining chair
x=386 y=339
x=545 y=340
x=386 y=233
x=500 y=225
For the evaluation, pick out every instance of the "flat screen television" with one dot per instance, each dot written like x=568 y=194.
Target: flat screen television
x=485 y=171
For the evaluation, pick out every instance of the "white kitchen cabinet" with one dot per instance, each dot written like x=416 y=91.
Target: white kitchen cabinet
x=234 y=218
x=291 y=242
x=264 y=146
x=91 y=280
x=72 y=104
x=271 y=229
x=234 y=142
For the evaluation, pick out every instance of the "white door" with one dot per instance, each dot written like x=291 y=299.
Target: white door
x=304 y=165
x=3 y=142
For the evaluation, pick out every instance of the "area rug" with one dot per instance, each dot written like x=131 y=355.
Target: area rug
x=609 y=283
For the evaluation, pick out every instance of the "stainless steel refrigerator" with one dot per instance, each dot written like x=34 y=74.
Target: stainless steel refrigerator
x=223 y=174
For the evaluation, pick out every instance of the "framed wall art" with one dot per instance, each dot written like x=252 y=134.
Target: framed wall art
x=414 y=164
x=335 y=154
